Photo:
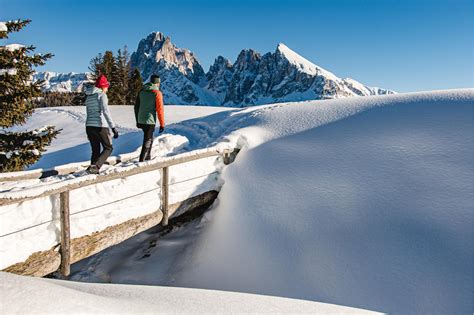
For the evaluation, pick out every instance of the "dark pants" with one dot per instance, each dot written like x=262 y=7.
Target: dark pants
x=99 y=136
x=148 y=131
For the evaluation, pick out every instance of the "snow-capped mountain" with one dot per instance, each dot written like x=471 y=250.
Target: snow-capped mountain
x=282 y=76
x=61 y=82
x=252 y=79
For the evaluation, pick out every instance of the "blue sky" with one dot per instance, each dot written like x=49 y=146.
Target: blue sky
x=404 y=45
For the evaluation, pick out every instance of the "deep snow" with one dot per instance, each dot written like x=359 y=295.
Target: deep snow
x=363 y=202
x=22 y=295
x=359 y=202
x=373 y=211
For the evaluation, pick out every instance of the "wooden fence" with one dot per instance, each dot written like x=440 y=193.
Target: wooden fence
x=163 y=164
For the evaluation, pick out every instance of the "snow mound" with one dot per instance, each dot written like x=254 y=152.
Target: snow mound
x=373 y=210
x=73 y=297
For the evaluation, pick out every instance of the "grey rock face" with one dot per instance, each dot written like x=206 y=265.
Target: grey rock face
x=182 y=77
x=219 y=77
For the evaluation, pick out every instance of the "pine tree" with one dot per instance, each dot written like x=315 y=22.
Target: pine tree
x=119 y=79
x=124 y=83
x=17 y=94
x=135 y=84
x=108 y=64
x=95 y=66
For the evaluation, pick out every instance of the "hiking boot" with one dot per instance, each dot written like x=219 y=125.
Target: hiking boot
x=93 y=169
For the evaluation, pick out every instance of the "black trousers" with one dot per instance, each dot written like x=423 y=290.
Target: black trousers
x=99 y=137
x=148 y=131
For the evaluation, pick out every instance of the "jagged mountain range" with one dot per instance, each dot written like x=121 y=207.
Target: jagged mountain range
x=62 y=82
x=252 y=79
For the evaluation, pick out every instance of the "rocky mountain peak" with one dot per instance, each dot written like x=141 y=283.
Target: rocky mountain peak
x=220 y=64
x=157 y=49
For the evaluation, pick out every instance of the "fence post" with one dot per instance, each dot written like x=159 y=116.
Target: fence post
x=164 y=194
x=65 y=267
x=227 y=158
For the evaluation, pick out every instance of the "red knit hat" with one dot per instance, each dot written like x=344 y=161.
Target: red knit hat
x=102 y=82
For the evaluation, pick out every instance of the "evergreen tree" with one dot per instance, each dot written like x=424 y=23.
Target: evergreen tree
x=17 y=93
x=120 y=77
x=108 y=64
x=124 y=83
x=135 y=84
x=95 y=66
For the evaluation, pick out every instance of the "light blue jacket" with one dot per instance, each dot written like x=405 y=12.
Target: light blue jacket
x=98 y=114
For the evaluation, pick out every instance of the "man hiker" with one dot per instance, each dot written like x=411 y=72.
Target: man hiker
x=98 y=118
x=149 y=103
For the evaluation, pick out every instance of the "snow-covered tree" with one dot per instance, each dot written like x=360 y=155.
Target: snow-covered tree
x=17 y=94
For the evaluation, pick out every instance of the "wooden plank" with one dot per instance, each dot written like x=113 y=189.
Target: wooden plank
x=164 y=194
x=60 y=170
x=65 y=249
x=177 y=159
x=42 y=263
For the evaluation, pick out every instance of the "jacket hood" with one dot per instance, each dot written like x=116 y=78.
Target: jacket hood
x=150 y=87
x=93 y=90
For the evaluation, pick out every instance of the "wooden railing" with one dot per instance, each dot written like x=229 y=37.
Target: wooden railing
x=162 y=164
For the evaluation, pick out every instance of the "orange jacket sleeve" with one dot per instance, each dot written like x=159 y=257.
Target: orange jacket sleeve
x=160 y=108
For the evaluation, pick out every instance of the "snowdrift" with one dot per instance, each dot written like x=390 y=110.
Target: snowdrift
x=371 y=211
x=31 y=295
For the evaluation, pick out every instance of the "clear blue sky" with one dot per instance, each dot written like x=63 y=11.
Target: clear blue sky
x=405 y=45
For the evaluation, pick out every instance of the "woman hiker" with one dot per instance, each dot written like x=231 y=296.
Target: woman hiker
x=98 y=118
x=149 y=103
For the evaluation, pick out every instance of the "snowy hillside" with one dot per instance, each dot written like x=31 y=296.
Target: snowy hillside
x=371 y=211
x=282 y=76
x=363 y=202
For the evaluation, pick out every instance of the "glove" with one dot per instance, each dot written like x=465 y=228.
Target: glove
x=116 y=134
x=161 y=129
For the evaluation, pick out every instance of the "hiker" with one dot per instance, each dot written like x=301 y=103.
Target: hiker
x=98 y=118
x=149 y=102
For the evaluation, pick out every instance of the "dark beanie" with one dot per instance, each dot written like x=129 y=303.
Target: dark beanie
x=155 y=79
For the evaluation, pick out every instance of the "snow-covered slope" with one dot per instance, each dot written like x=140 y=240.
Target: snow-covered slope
x=364 y=202
x=32 y=295
x=62 y=82
x=372 y=211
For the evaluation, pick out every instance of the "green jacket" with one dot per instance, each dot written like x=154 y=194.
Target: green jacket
x=149 y=103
